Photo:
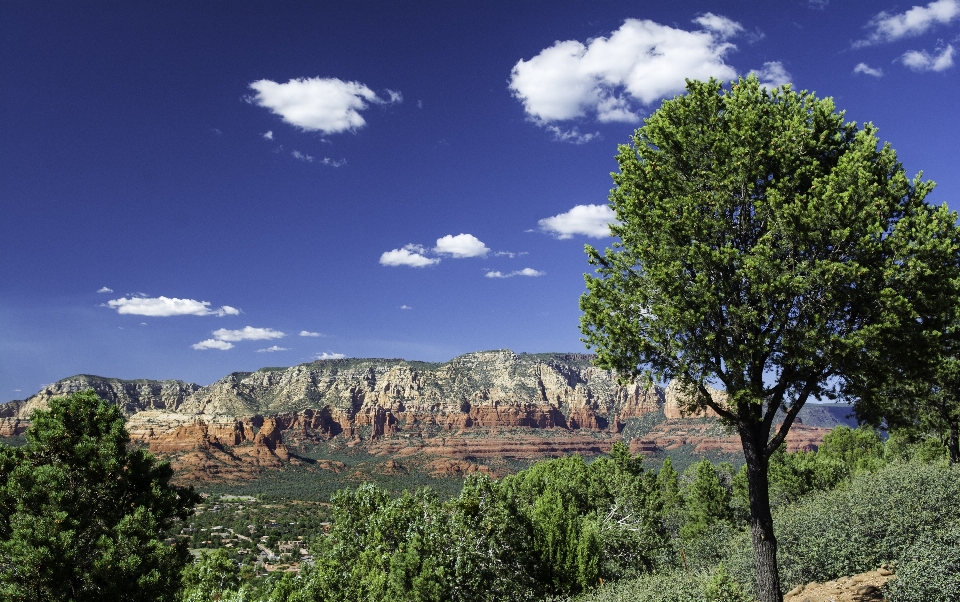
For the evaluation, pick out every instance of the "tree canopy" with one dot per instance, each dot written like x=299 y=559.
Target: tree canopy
x=82 y=516
x=768 y=246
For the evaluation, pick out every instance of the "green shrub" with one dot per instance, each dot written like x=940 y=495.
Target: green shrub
x=876 y=518
x=655 y=587
x=929 y=570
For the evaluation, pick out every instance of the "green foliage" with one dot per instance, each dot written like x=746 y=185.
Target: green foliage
x=764 y=243
x=82 y=517
x=707 y=501
x=676 y=586
x=859 y=449
x=929 y=569
x=721 y=587
x=212 y=576
x=876 y=518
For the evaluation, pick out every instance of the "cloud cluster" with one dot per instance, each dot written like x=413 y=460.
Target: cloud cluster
x=912 y=23
x=104 y=290
x=330 y=356
x=167 y=306
x=307 y=333
x=641 y=62
x=417 y=256
x=315 y=104
x=530 y=272
x=589 y=220
x=921 y=60
x=223 y=338
x=272 y=349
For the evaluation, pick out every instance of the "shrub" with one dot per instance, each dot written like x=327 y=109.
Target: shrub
x=655 y=587
x=929 y=569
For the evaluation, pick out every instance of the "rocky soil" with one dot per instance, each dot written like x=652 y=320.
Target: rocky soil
x=865 y=587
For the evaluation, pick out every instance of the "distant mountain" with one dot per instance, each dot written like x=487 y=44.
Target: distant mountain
x=478 y=406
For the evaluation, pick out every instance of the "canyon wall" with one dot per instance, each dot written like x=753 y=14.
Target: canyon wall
x=478 y=405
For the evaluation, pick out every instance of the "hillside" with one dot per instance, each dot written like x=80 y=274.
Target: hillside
x=474 y=412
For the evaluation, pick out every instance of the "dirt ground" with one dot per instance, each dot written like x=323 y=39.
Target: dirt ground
x=865 y=587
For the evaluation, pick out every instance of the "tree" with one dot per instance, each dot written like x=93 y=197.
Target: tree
x=768 y=247
x=707 y=501
x=82 y=517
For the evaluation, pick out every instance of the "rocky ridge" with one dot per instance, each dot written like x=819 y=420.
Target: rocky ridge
x=476 y=406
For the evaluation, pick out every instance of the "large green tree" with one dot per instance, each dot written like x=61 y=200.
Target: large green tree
x=83 y=516
x=769 y=247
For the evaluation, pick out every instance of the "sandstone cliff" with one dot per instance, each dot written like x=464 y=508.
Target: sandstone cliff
x=479 y=405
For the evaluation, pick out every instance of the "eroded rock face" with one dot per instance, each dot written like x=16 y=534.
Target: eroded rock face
x=479 y=405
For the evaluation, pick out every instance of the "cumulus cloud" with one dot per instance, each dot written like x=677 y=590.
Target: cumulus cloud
x=868 y=70
x=212 y=344
x=461 y=245
x=529 y=272
x=268 y=135
x=248 y=333
x=410 y=255
x=302 y=156
x=405 y=307
x=641 y=62
x=330 y=356
x=772 y=74
x=914 y=22
x=104 y=290
x=272 y=349
x=921 y=60
x=307 y=333
x=315 y=104
x=589 y=220
x=166 y=306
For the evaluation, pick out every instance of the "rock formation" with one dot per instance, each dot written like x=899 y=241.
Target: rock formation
x=479 y=405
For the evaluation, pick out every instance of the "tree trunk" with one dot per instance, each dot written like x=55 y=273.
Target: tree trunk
x=761 y=520
x=954 y=444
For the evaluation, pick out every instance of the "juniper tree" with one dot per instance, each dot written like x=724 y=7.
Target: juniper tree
x=769 y=247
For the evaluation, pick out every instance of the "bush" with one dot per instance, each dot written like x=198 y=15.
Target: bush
x=656 y=587
x=929 y=570
x=876 y=518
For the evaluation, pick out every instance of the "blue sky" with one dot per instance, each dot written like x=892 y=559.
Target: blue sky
x=193 y=188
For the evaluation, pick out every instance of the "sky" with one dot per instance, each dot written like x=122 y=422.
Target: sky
x=189 y=189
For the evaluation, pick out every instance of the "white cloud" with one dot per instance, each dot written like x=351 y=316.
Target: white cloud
x=248 y=333
x=212 y=344
x=916 y=21
x=330 y=356
x=272 y=349
x=868 y=70
x=301 y=156
x=819 y=4
x=772 y=75
x=307 y=333
x=410 y=255
x=405 y=307
x=529 y=272
x=105 y=290
x=165 y=306
x=641 y=62
x=921 y=60
x=315 y=104
x=722 y=26
x=332 y=163
x=572 y=135
x=590 y=220
x=461 y=245
x=268 y=135
x=505 y=254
